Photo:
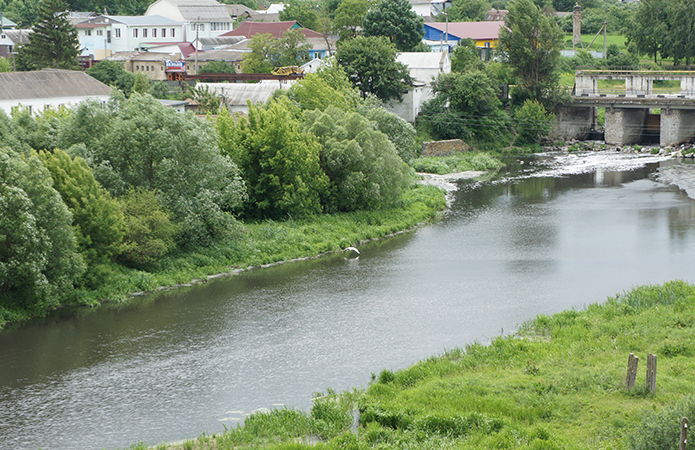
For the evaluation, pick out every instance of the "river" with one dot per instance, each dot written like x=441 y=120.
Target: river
x=558 y=232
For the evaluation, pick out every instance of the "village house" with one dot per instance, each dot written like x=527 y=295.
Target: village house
x=424 y=68
x=440 y=36
x=48 y=88
x=11 y=37
x=201 y=18
x=105 y=35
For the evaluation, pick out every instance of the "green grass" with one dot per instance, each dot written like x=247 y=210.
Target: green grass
x=559 y=383
x=260 y=243
x=616 y=39
x=458 y=162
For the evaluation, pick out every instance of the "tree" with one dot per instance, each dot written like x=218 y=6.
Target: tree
x=141 y=84
x=371 y=66
x=467 y=11
x=149 y=232
x=465 y=106
x=218 y=67
x=5 y=64
x=531 y=43
x=150 y=146
x=268 y=52
x=680 y=38
x=328 y=86
x=113 y=74
x=54 y=42
x=397 y=21
x=96 y=217
x=361 y=163
x=38 y=258
x=465 y=57
x=348 y=17
x=303 y=11
x=532 y=123
x=400 y=133
x=279 y=163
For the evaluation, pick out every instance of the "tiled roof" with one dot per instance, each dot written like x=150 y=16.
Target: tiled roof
x=276 y=29
x=49 y=83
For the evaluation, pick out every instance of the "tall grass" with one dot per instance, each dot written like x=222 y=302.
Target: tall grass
x=558 y=383
x=458 y=162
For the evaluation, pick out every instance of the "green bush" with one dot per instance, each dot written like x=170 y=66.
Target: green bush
x=532 y=123
x=661 y=430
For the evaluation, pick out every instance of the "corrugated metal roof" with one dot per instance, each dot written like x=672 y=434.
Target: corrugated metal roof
x=205 y=13
x=221 y=40
x=276 y=29
x=50 y=83
x=237 y=93
x=18 y=36
x=154 y=20
x=217 y=55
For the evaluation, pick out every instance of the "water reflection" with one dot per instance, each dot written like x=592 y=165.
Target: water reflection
x=172 y=365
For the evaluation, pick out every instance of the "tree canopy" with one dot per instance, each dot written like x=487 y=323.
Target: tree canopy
x=370 y=63
x=531 y=42
x=395 y=20
x=268 y=52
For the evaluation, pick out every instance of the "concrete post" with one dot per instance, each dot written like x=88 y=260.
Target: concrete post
x=677 y=126
x=624 y=126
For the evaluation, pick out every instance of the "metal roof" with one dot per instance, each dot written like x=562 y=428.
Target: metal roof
x=276 y=29
x=154 y=20
x=421 y=60
x=237 y=93
x=50 y=83
x=205 y=13
x=470 y=30
x=217 y=55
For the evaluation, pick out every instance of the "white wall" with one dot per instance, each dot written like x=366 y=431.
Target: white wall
x=40 y=104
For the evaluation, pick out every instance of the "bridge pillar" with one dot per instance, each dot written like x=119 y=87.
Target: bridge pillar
x=688 y=85
x=573 y=122
x=677 y=126
x=585 y=84
x=638 y=85
x=624 y=126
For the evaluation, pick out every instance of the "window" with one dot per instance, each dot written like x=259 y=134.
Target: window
x=173 y=32
x=86 y=33
x=164 y=32
x=100 y=32
x=135 y=32
x=144 y=33
x=137 y=67
x=154 y=32
x=201 y=27
x=117 y=32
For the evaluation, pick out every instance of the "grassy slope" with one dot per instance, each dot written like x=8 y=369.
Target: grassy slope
x=263 y=243
x=560 y=383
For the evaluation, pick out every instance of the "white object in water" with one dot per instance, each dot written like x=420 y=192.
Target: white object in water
x=351 y=249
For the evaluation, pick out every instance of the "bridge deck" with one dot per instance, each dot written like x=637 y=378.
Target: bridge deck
x=664 y=102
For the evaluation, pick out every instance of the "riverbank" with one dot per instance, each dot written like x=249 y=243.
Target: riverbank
x=558 y=382
x=259 y=244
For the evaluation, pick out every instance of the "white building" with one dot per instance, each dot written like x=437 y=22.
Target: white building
x=105 y=35
x=48 y=88
x=424 y=68
x=201 y=18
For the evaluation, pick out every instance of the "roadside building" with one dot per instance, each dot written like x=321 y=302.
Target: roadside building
x=203 y=58
x=201 y=18
x=235 y=95
x=48 y=88
x=105 y=35
x=155 y=66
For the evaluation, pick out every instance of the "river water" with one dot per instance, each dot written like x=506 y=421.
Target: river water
x=558 y=232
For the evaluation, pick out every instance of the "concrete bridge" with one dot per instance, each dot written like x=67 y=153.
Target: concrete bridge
x=641 y=106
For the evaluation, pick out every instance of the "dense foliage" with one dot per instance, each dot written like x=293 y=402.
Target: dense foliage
x=268 y=52
x=371 y=66
x=531 y=43
x=395 y=20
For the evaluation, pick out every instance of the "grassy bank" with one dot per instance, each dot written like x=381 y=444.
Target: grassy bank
x=256 y=244
x=558 y=383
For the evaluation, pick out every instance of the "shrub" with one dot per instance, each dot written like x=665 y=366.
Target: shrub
x=532 y=123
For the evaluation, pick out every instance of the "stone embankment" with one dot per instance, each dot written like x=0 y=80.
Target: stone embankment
x=675 y=151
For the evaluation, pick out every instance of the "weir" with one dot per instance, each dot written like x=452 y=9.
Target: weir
x=629 y=118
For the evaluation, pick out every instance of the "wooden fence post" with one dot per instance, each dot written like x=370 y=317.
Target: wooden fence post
x=651 y=373
x=684 y=434
x=632 y=362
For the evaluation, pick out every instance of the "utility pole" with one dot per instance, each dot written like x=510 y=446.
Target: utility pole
x=197 y=27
